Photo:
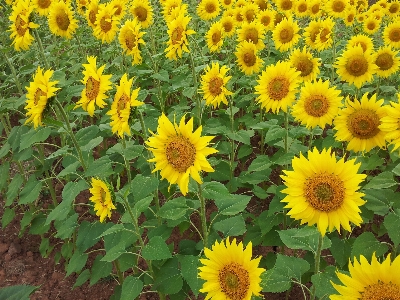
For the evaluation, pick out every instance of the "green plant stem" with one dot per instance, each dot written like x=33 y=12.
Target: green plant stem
x=232 y=142
x=333 y=59
x=203 y=215
x=48 y=180
x=127 y=166
x=286 y=114
x=71 y=134
x=198 y=100
x=377 y=86
x=262 y=131
x=39 y=41
x=317 y=263
x=14 y=73
x=119 y=273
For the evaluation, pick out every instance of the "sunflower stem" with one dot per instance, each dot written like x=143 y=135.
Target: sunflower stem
x=119 y=273
x=14 y=73
x=377 y=86
x=203 y=216
x=48 y=180
x=232 y=143
x=333 y=59
x=71 y=134
x=198 y=101
x=127 y=166
x=39 y=41
x=262 y=131
x=317 y=263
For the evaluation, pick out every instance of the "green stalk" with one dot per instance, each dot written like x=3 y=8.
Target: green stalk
x=119 y=273
x=70 y=132
x=262 y=131
x=333 y=59
x=203 y=216
x=232 y=142
x=48 y=180
x=198 y=101
x=14 y=73
x=377 y=86
x=317 y=263
x=286 y=114
x=39 y=41
x=127 y=166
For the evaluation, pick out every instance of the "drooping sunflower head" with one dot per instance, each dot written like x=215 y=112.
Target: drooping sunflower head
x=102 y=197
x=130 y=39
x=324 y=193
x=277 y=86
x=106 y=24
x=318 y=104
x=91 y=13
x=391 y=35
x=365 y=42
x=323 y=39
x=390 y=124
x=179 y=152
x=208 y=9
x=387 y=61
x=286 y=34
x=230 y=272
x=61 y=20
x=372 y=281
x=253 y=32
x=311 y=32
x=356 y=66
x=39 y=92
x=305 y=63
x=248 y=60
x=142 y=11
x=178 y=37
x=213 y=85
x=214 y=37
x=358 y=124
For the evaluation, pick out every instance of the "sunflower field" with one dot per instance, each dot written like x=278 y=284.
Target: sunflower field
x=219 y=149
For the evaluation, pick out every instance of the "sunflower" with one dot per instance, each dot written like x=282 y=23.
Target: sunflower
x=371 y=25
x=248 y=60
x=318 y=104
x=369 y=280
x=365 y=42
x=229 y=271
x=208 y=9
x=387 y=61
x=168 y=6
x=176 y=12
x=394 y=8
x=305 y=63
x=21 y=25
x=91 y=13
x=336 y=8
x=361 y=18
x=81 y=5
x=301 y=9
x=262 y=4
x=214 y=37
x=180 y=152
x=350 y=16
x=228 y=25
x=314 y=8
x=250 y=11
x=391 y=35
x=266 y=18
x=42 y=6
x=253 y=32
x=240 y=3
x=102 y=197
x=390 y=124
x=277 y=86
x=178 y=37
x=130 y=38
x=311 y=32
x=122 y=105
x=358 y=123
x=286 y=34
x=227 y=3
x=142 y=11
x=61 y=20
x=238 y=15
x=324 y=193
x=39 y=92
x=119 y=8
x=213 y=85
x=106 y=25
x=324 y=39
x=356 y=66
x=96 y=85
x=284 y=5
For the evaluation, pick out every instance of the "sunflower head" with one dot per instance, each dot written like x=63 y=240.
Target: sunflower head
x=305 y=63
x=285 y=34
x=103 y=197
x=248 y=60
x=391 y=35
x=208 y=9
x=387 y=61
x=61 y=20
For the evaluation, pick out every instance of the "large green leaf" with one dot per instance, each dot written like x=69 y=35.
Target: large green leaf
x=168 y=279
x=174 y=209
x=17 y=292
x=88 y=234
x=13 y=188
x=142 y=186
x=214 y=190
x=366 y=244
x=322 y=283
x=232 y=226
x=76 y=263
x=232 y=204
x=156 y=249
x=101 y=167
x=392 y=221
x=131 y=288
x=31 y=190
x=341 y=250
x=381 y=181
x=34 y=136
x=189 y=270
x=100 y=269
x=4 y=171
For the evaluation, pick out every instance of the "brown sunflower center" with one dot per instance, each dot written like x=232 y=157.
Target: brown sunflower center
x=252 y=35
x=140 y=13
x=381 y=291
x=316 y=105
x=210 y=7
x=92 y=88
x=38 y=93
x=118 y=10
x=371 y=25
x=302 y=8
x=177 y=35
x=286 y=35
x=103 y=197
x=314 y=33
x=324 y=35
x=234 y=281
x=278 y=88
x=286 y=4
x=180 y=153
x=227 y=2
x=250 y=15
x=130 y=40
x=43 y=4
x=216 y=37
x=62 y=20
x=350 y=18
x=338 y=6
x=325 y=192
x=265 y=20
x=105 y=24
x=239 y=17
x=394 y=35
x=363 y=124
x=20 y=26
x=362 y=44
x=249 y=59
x=92 y=16
x=278 y=18
x=384 y=61
x=305 y=66
x=262 y=4
x=315 y=9
x=122 y=103
x=357 y=65
x=228 y=26
x=394 y=8
x=215 y=86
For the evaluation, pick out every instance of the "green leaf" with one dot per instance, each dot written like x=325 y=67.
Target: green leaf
x=70 y=191
x=274 y=133
x=82 y=278
x=70 y=169
x=366 y=244
x=378 y=201
x=113 y=229
x=34 y=136
x=4 y=171
x=260 y=163
x=65 y=228
x=143 y=186
x=382 y=180
x=242 y=136
x=92 y=143
x=232 y=226
x=101 y=167
x=100 y=269
x=88 y=234
x=233 y=204
x=130 y=152
x=141 y=206
x=115 y=252
x=37 y=226
x=162 y=76
x=189 y=92
x=189 y=270
x=86 y=134
x=322 y=283
x=31 y=191
x=267 y=222
x=76 y=263
x=341 y=250
x=174 y=209
x=17 y=292
x=156 y=249
x=13 y=188
x=391 y=222
x=396 y=170
x=4 y=149
x=168 y=279
x=215 y=190
x=7 y=217
x=131 y=288
x=305 y=238
x=244 y=150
